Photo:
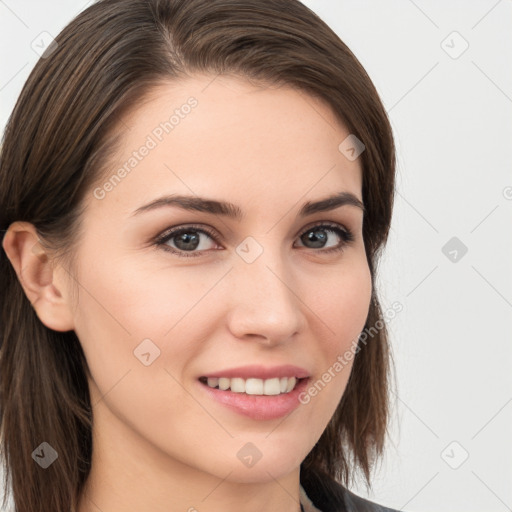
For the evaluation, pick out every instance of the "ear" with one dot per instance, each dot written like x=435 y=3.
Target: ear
x=44 y=287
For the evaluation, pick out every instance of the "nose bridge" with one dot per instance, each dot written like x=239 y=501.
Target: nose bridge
x=264 y=302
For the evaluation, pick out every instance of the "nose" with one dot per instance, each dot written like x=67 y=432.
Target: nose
x=264 y=303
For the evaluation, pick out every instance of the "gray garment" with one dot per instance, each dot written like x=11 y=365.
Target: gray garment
x=353 y=503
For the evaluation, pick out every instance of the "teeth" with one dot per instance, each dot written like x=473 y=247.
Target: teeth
x=213 y=382
x=223 y=383
x=237 y=385
x=251 y=386
x=274 y=386
x=291 y=384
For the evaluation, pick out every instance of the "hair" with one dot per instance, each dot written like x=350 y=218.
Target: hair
x=56 y=146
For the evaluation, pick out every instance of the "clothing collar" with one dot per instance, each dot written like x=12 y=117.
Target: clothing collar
x=306 y=505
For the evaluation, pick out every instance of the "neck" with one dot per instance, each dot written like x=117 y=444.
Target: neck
x=128 y=474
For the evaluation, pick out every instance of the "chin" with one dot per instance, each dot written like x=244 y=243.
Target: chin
x=248 y=464
x=261 y=472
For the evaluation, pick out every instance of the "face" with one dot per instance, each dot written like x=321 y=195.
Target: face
x=175 y=303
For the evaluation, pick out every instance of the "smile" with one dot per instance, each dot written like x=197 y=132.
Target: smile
x=252 y=386
x=257 y=398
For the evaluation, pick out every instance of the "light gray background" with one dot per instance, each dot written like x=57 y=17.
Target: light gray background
x=451 y=114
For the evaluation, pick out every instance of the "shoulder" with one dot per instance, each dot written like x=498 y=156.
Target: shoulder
x=328 y=495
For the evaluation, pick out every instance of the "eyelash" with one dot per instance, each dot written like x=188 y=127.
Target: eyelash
x=161 y=241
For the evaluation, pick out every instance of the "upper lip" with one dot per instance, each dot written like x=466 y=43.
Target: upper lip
x=261 y=372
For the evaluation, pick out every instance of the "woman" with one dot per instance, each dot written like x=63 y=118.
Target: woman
x=246 y=371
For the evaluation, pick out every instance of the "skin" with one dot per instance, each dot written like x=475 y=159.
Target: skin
x=160 y=443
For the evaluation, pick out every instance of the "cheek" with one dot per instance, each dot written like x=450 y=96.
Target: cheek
x=342 y=309
x=137 y=300
x=122 y=304
x=344 y=303
x=123 y=309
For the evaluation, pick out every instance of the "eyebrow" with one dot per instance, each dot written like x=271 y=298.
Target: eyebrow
x=227 y=209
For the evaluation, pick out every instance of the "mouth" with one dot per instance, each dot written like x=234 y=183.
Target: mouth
x=256 y=391
x=254 y=386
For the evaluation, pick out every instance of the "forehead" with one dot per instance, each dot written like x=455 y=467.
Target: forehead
x=229 y=138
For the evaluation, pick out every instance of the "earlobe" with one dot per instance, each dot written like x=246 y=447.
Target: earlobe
x=44 y=287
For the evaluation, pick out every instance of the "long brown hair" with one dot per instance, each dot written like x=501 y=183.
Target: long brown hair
x=55 y=147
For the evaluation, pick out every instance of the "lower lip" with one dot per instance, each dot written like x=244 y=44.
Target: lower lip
x=258 y=407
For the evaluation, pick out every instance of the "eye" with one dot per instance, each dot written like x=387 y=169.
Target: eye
x=317 y=236
x=187 y=239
